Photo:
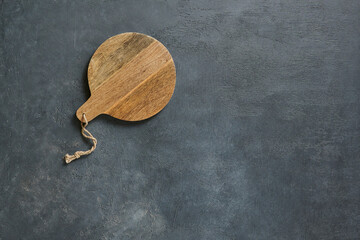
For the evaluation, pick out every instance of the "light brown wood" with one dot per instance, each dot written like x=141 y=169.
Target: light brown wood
x=131 y=77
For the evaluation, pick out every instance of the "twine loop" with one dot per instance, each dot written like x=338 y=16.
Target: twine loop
x=69 y=158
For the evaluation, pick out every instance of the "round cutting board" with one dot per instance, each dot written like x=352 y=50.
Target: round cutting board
x=131 y=77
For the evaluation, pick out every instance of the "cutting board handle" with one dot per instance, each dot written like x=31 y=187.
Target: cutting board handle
x=90 y=109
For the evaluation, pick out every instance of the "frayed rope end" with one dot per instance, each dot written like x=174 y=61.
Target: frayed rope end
x=69 y=158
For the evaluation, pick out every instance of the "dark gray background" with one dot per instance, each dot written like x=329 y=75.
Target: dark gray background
x=261 y=139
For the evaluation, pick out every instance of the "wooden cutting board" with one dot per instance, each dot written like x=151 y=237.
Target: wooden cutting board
x=131 y=77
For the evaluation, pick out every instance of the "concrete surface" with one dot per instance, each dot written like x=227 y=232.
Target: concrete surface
x=260 y=141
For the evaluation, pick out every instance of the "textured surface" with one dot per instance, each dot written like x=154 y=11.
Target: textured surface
x=261 y=139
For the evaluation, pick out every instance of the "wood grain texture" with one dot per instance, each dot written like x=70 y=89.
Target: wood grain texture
x=131 y=77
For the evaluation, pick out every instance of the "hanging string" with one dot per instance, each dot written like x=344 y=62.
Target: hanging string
x=69 y=158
